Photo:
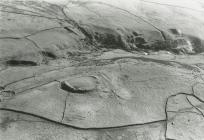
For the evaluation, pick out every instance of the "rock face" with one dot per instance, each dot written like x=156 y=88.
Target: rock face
x=100 y=70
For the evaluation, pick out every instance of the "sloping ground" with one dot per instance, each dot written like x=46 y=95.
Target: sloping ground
x=101 y=70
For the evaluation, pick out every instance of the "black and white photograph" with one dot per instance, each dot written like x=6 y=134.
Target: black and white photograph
x=101 y=69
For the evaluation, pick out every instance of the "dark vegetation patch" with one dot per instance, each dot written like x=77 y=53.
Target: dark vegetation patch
x=185 y=45
x=175 y=41
x=1 y=88
x=109 y=40
x=20 y=63
x=68 y=88
x=175 y=31
x=135 y=33
x=49 y=54
x=197 y=43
